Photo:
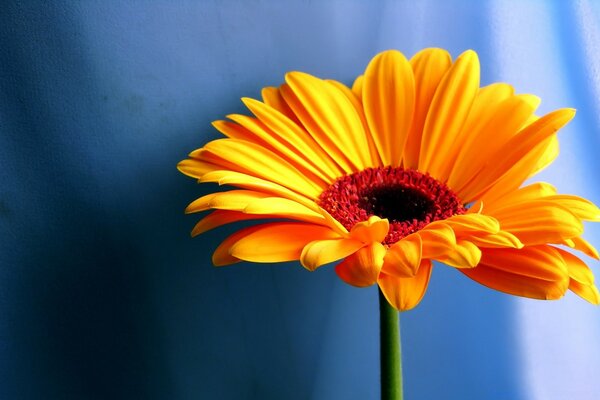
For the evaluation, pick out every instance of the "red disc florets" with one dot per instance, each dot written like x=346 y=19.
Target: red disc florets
x=407 y=198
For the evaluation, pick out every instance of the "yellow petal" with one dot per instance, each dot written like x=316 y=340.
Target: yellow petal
x=585 y=247
x=449 y=109
x=222 y=255
x=465 y=255
x=580 y=207
x=530 y=192
x=586 y=292
x=404 y=257
x=582 y=278
x=277 y=206
x=486 y=101
x=235 y=131
x=538 y=222
x=256 y=184
x=278 y=242
x=577 y=268
x=321 y=252
x=273 y=98
x=221 y=217
x=536 y=272
x=357 y=86
x=474 y=152
x=230 y=200
x=355 y=100
x=281 y=129
x=374 y=229
x=500 y=239
x=389 y=101
x=405 y=293
x=548 y=155
x=330 y=118
x=362 y=268
x=437 y=239
x=429 y=67
x=288 y=150
x=516 y=149
x=512 y=179
x=195 y=168
x=468 y=224
x=249 y=158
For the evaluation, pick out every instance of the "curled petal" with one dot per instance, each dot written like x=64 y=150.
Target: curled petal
x=321 y=252
x=362 y=268
x=465 y=255
x=372 y=230
x=437 y=239
x=264 y=244
x=501 y=239
x=473 y=223
x=405 y=293
x=404 y=257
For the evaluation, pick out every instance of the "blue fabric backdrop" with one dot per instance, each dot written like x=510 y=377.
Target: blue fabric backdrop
x=103 y=295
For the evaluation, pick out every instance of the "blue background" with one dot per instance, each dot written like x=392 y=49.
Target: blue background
x=103 y=295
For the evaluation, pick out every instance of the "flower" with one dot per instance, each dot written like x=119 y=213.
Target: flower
x=414 y=163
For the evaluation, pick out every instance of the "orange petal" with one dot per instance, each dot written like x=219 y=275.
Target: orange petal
x=538 y=222
x=278 y=242
x=224 y=177
x=221 y=217
x=537 y=272
x=282 y=131
x=585 y=247
x=389 y=100
x=586 y=292
x=374 y=229
x=465 y=255
x=195 y=168
x=449 y=109
x=330 y=118
x=404 y=257
x=273 y=98
x=295 y=152
x=357 y=86
x=355 y=100
x=362 y=268
x=252 y=159
x=321 y=252
x=582 y=278
x=500 y=239
x=580 y=207
x=222 y=256
x=437 y=239
x=429 y=67
x=513 y=178
x=405 y=293
x=235 y=131
x=516 y=150
x=530 y=192
x=502 y=122
x=469 y=224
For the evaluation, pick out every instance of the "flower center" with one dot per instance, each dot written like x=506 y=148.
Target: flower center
x=409 y=199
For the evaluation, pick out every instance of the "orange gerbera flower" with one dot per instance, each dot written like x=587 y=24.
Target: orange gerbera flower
x=412 y=164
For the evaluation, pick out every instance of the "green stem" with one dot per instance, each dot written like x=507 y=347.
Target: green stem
x=391 y=355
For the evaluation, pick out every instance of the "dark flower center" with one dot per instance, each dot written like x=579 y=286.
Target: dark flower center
x=409 y=199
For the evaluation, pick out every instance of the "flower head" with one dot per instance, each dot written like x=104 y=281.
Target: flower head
x=414 y=163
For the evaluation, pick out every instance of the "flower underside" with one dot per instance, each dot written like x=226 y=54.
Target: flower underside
x=408 y=198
